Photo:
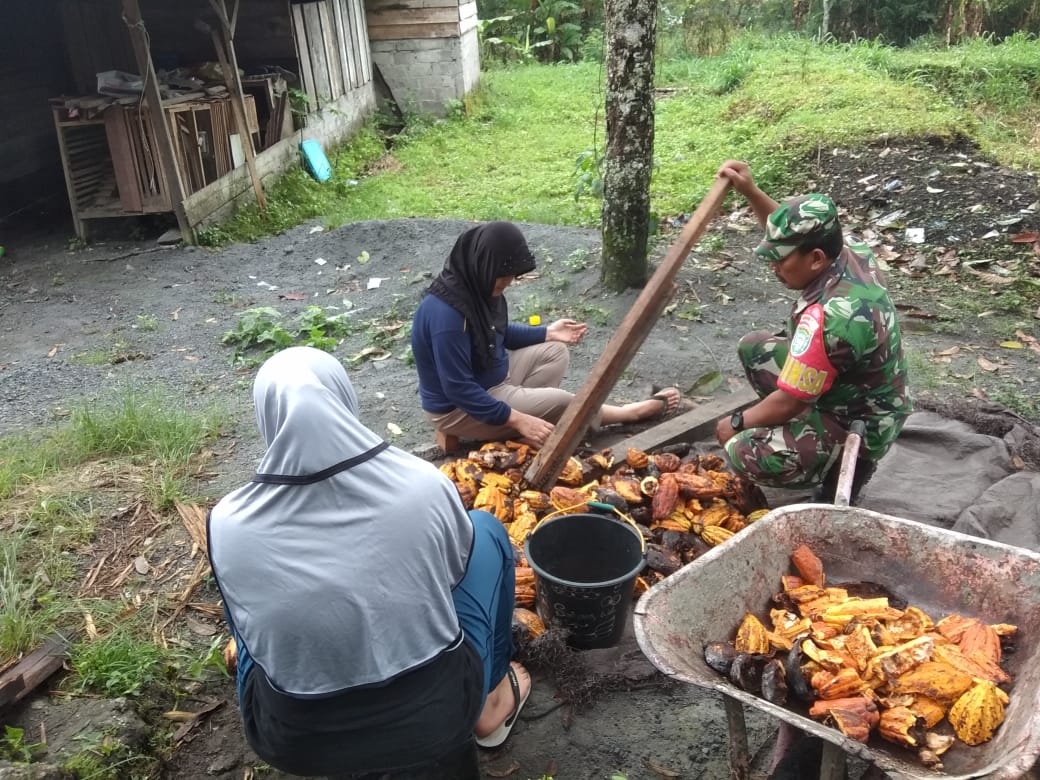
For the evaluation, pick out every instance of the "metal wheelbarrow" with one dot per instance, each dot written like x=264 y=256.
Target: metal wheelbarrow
x=940 y=571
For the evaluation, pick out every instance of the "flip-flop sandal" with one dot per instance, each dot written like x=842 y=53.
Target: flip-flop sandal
x=499 y=735
x=665 y=414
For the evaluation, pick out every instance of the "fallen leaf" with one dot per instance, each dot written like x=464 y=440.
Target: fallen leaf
x=293 y=296
x=316 y=229
x=989 y=313
x=663 y=771
x=53 y=351
x=504 y=771
x=1012 y=345
x=706 y=384
x=89 y=627
x=991 y=278
x=1025 y=337
x=394 y=429
x=200 y=628
x=192 y=358
x=176 y=314
x=949 y=352
x=1017 y=462
x=370 y=353
x=979 y=393
x=1025 y=238
x=141 y=565
x=987 y=365
x=179 y=716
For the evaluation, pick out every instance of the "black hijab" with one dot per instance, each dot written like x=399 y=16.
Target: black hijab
x=480 y=256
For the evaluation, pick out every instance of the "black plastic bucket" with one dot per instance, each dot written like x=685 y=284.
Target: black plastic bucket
x=585 y=568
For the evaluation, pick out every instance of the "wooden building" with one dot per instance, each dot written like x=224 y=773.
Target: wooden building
x=309 y=70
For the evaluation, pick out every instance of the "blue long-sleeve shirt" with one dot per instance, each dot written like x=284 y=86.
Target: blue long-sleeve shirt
x=443 y=356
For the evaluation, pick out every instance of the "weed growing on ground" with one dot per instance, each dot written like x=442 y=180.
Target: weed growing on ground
x=15 y=749
x=262 y=331
x=148 y=323
x=119 y=664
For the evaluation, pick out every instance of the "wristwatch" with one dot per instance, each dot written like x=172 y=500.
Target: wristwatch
x=736 y=422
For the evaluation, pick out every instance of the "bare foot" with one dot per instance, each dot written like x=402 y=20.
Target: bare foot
x=501 y=703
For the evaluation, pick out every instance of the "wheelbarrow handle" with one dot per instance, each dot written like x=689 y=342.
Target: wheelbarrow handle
x=849 y=456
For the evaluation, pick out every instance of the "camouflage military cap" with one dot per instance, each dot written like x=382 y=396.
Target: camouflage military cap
x=795 y=221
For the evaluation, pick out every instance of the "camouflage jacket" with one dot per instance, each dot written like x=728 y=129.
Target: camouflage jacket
x=863 y=345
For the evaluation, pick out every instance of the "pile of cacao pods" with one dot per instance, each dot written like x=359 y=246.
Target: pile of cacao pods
x=683 y=503
x=869 y=663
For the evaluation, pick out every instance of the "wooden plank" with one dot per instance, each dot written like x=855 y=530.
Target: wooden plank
x=27 y=675
x=696 y=424
x=414 y=16
x=303 y=54
x=394 y=32
x=345 y=45
x=118 y=132
x=229 y=67
x=359 y=42
x=317 y=55
x=331 y=39
x=77 y=223
x=622 y=346
x=142 y=52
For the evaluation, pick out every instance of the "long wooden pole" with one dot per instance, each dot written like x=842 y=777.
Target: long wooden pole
x=622 y=347
x=228 y=60
x=167 y=156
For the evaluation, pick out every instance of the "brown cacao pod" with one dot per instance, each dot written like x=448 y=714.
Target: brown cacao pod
x=666 y=499
x=666 y=462
x=637 y=459
x=568 y=499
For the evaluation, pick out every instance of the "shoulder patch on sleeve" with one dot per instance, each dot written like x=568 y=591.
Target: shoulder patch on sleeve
x=808 y=373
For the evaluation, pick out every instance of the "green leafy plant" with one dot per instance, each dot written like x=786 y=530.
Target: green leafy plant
x=116 y=665
x=14 y=747
x=147 y=322
x=588 y=174
x=260 y=332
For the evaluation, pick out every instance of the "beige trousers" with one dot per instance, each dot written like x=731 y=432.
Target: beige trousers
x=532 y=386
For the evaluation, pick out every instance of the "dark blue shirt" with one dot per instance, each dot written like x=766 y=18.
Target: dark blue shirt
x=444 y=359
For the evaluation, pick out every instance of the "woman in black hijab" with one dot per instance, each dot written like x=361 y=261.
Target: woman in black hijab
x=484 y=378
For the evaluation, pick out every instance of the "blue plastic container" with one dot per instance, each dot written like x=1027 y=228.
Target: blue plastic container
x=316 y=161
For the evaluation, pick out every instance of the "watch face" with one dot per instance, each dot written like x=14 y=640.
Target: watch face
x=737 y=421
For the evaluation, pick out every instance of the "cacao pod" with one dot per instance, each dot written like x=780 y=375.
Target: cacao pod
x=529 y=621
x=934 y=679
x=568 y=499
x=493 y=500
x=714 y=535
x=637 y=459
x=666 y=462
x=628 y=489
x=536 y=500
x=666 y=499
x=751 y=636
x=758 y=514
x=981 y=643
x=573 y=473
x=448 y=469
x=808 y=566
x=978 y=712
x=901 y=726
x=649 y=486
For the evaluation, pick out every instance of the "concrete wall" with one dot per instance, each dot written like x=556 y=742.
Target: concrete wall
x=426 y=50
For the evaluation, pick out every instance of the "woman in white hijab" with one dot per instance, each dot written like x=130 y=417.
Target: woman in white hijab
x=371 y=612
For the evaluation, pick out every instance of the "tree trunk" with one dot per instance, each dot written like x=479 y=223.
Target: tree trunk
x=825 y=24
x=631 y=36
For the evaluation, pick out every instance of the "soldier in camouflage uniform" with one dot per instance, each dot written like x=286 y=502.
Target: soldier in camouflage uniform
x=840 y=358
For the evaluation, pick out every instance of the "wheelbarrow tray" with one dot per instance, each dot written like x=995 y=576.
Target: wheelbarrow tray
x=939 y=571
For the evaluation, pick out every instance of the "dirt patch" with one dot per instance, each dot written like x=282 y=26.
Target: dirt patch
x=77 y=326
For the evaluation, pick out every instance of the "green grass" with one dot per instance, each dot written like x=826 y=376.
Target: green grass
x=137 y=446
x=770 y=101
x=119 y=664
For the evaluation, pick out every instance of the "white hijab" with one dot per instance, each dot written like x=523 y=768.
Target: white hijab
x=342 y=577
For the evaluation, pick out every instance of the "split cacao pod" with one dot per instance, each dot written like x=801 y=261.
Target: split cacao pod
x=751 y=636
x=637 y=459
x=666 y=499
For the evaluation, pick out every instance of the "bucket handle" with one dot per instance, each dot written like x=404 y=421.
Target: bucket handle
x=598 y=505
